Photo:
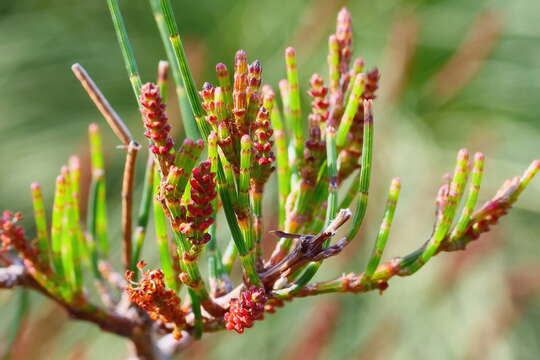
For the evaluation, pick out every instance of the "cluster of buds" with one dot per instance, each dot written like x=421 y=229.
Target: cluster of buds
x=494 y=209
x=199 y=210
x=12 y=237
x=372 y=84
x=208 y=104
x=344 y=38
x=219 y=116
x=315 y=145
x=262 y=145
x=151 y=294
x=243 y=311
x=254 y=81
x=156 y=123
x=349 y=155
x=239 y=92
x=253 y=94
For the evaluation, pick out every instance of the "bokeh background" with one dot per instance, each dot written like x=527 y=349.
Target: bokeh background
x=455 y=73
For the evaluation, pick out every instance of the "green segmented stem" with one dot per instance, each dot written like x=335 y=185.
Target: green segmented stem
x=302 y=198
x=92 y=212
x=196 y=307
x=331 y=210
x=282 y=158
x=40 y=219
x=181 y=61
x=70 y=263
x=351 y=110
x=96 y=150
x=526 y=179
x=224 y=81
x=308 y=274
x=365 y=171
x=357 y=68
x=190 y=125
x=226 y=191
x=229 y=256
x=222 y=114
x=57 y=224
x=96 y=215
x=331 y=163
x=246 y=219
x=472 y=197
x=163 y=80
x=384 y=230
x=162 y=236
x=333 y=63
x=284 y=94
x=75 y=183
x=195 y=283
x=125 y=46
x=144 y=211
x=97 y=203
x=215 y=266
x=351 y=193
x=294 y=119
x=449 y=205
x=80 y=249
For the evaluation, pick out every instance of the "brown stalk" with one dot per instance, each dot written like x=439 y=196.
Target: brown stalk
x=127 y=201
x=113 y=119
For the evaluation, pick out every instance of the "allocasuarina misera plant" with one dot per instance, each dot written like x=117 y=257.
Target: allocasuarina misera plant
x=237 y=135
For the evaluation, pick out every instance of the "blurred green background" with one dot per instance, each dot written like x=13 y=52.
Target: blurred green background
x=455 y=73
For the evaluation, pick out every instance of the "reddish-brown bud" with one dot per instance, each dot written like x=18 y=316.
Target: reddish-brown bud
x=151 y=294
x=156 y=123
x=243 y=311
x=199 y=210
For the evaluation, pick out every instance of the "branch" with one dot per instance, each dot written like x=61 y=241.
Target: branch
x=112 y=322
x=127 y=200
x=307 y=248
x=113 y=119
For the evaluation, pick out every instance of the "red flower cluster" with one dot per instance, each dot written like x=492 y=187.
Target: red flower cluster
x=12 y=236
x=245 y=310
x=156 y=123
x=151 y=294
x=203 y=191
